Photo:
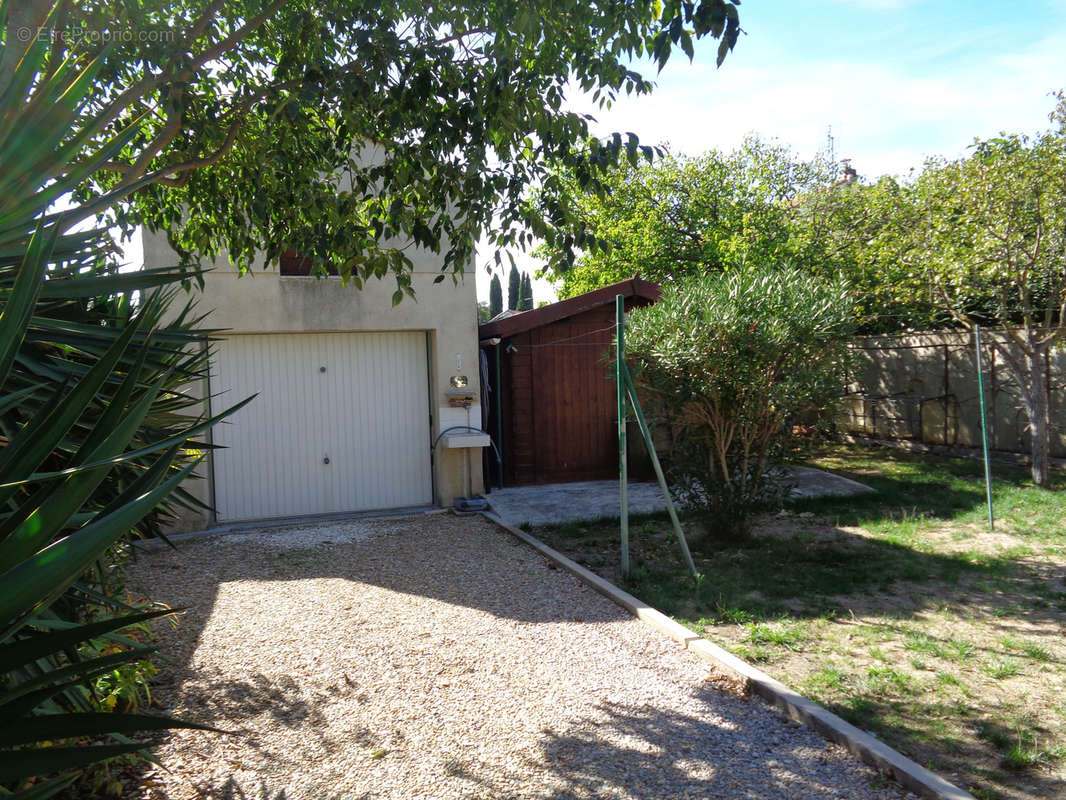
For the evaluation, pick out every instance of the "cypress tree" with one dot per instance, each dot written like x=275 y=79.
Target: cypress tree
x=514 y=288
x=495 y=296
x=526 y=303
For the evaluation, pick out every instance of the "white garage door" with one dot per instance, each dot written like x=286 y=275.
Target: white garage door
x=341 y=423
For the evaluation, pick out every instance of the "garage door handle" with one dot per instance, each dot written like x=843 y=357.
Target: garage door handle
x=325 y=460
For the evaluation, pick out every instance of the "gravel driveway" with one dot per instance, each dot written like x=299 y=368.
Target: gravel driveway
x=437 y=657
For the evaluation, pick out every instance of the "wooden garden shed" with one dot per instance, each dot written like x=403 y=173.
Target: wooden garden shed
x=550 y=397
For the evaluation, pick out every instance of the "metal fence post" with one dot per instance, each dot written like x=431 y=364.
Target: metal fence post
x=646 y=433
x=984 y=426
x=619 y=376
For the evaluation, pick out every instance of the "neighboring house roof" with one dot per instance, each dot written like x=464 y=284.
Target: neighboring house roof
x=507 y=312
x=512 y=323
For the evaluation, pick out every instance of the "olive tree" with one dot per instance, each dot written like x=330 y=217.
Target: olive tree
x=681 y=216
x=990 y=245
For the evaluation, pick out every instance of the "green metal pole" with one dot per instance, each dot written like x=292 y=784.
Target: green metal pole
x=984 y=427
x=646 y=432
x=499 y=418
x=623 y=477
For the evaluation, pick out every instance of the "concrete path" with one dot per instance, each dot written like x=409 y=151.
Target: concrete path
x=570 y=502
x=810 y=482
x=589 y=500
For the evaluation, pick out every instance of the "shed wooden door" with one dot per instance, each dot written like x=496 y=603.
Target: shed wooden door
x=341 y=423
x=564 y=420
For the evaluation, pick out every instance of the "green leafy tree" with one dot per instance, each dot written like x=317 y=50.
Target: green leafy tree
x=526 y=302
x=728 y=361
x=495 y=296
x=514 y=288
x=862 y=231
x=684 y=216
x=431 y=119
x=989 y=248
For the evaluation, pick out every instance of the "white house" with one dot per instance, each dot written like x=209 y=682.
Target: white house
x=353 y=393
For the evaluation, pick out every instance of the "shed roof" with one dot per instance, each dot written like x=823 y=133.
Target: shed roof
x=512 y=324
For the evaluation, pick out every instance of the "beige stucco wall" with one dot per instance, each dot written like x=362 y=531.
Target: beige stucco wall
x=263 y=301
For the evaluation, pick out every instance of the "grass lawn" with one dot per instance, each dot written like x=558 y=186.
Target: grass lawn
x=899 y=611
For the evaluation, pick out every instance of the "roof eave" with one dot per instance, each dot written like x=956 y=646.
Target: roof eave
x=553 y=312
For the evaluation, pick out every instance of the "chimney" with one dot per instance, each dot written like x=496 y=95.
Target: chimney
x=848 y=175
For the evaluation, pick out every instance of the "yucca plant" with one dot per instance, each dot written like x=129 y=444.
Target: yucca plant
x=92 y=434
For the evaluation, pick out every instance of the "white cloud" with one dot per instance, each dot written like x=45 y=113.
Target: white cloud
x=882 y=116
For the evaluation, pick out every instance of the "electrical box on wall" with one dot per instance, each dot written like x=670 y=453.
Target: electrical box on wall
x=460 y=398
x=455 y=440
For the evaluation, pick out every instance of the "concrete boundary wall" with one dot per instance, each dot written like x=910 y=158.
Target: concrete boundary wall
x=922 y=387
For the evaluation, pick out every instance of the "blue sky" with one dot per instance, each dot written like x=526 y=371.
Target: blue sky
x=898 y=80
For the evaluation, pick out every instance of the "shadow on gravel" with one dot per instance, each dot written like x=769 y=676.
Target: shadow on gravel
x=434 y=557
x=216 y=699
x=639 y=753
x=644 y=753
x=231 y=790
x=645 y=750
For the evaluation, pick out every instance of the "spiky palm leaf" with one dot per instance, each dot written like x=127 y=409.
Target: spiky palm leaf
x=94 y=434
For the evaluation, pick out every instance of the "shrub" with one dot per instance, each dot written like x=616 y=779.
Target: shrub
x=728 y=361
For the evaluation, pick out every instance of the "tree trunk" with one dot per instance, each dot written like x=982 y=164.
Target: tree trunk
x=1029 y=370
x=1039 y=417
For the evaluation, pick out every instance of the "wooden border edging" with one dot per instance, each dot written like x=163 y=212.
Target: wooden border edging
x=866 y=748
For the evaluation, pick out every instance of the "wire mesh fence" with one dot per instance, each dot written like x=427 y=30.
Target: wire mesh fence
x=922 y=387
